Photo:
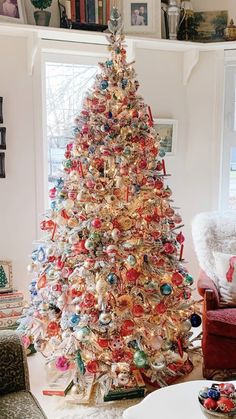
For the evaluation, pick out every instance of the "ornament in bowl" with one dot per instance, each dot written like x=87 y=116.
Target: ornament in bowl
x=218 y=401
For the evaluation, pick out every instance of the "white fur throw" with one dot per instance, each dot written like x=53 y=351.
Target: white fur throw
x=213 y=232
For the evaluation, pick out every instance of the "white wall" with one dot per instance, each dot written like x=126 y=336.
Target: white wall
x=194 y=169
x=17 y=191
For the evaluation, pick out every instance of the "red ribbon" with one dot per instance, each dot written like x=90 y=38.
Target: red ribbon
x=230 y=272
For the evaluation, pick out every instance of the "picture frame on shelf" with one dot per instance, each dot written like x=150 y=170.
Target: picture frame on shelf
x=12 y=11
x=2 y=165
x=3 y=138
x=210 y=26
x=142 y=17
x=168 y=131
x=6 y=277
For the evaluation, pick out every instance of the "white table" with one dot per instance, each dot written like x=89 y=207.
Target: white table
x=179 y=401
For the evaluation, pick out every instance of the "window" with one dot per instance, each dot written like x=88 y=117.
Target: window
x=66 y=86
x=229 y=144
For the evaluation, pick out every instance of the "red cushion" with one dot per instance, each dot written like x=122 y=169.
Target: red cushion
x=221 y=322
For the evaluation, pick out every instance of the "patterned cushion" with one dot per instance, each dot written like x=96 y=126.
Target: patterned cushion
x=20 y=405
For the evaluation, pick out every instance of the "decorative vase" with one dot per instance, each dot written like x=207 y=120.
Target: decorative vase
x=42 y=18
x=173 y=14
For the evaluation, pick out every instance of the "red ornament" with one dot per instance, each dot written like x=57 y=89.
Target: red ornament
x=169 y=212
x=92 y=367
x=89 y=300
x=177 y=278
x=225 y=404
x=169 y=248
x=210 y=404
x=47 y=225
x=96 y=223
x=138 y=310
x=227 y=389
x=90 y=184
x=52 y=329
x=142 y=164
x=159 y=184
x=180 y=238
x=132 y=275
x=159 y=166
x=127 y=328
x=79 y=247
x=160 y=308
x=103 y=343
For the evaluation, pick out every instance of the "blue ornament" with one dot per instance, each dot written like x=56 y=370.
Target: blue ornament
x=53 y=205
x=104 y=85
x=74 y=320
x=59 y=183
x=203 y=394
x=166 y=289
x=112 y=278
x=110 y=115
x=124 y=83
x=213 y=394
x=162 y=153
x=137 y=188
x=41 y=257
x=195 y=320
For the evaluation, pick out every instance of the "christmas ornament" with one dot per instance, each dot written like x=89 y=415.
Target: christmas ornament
x=196 y=320
x=140 y=359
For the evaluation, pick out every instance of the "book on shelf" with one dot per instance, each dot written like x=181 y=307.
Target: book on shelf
x=59 y=383
x=90 y=11
x=135 y=389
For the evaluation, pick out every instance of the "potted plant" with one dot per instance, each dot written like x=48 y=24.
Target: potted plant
x=41 y=16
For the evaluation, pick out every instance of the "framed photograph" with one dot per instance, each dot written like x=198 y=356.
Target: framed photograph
x=210 y=26
x=2 y=165
x=142 y=17
x=3 y=138
x=1 y=111
x=12 y=11
x=167 y=130
x=6 y=280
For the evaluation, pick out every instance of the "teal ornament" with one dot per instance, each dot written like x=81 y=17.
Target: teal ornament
x=109 y=63
x=188 y=279
x=112 y=278
x=166 y=289
x=140 y=359
x=80 y=363
x=74 y=320
x=67 y=164
x=95 y=237
x=59 y=183
x=162 y=153
x=89 y=244
x=104 y=85
x=83 y=334
x=53 y=205
x=131 y=260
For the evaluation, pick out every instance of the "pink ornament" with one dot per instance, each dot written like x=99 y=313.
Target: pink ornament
x=52 y=193
x=90 y=184
x=62 y=363
x=26 y=341
x=96 y=223
x=227 y=389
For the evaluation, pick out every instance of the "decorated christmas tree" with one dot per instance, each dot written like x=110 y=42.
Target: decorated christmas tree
x=110 y=287
x=3 y=277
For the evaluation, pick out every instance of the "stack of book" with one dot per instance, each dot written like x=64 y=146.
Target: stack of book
x=11 y=307
x=90 y=11
x=135 y=389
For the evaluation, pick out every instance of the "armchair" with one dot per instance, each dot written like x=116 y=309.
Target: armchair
x=215 y=232
x=16 y=401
